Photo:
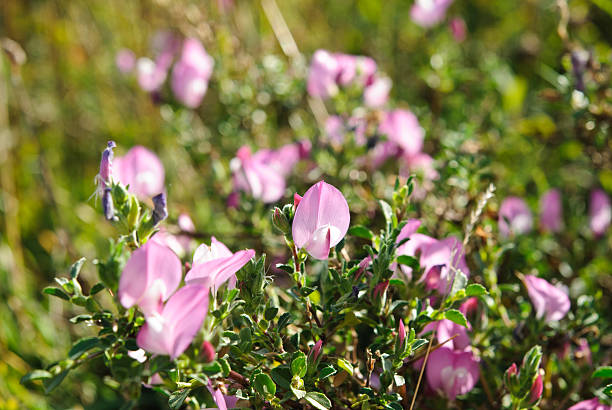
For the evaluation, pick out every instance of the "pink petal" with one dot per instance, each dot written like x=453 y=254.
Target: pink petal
x=150 y=276
x=402 y=128
x=547 y=299
x=142 y=170
x=322 y=206
x=600 y=212
x=551 y=211
x=516 y=211
x=319 y=244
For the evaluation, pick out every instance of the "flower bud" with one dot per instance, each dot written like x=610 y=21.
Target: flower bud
x=106 y=165
x=208 y=352
x=401 y=332
x=536 y=389
x=380 y=289
x=280 y=221
x=107 y=204
x=296 y=200
x=160 y=212
x=511 y=378
x=315 y=351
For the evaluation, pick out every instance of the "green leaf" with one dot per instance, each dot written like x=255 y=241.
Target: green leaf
x=52 y=383
x=408 y=261
x=36 y=375
x=97 y=288
x=177 y=398
x=49 y=290
x=387 y=211
x=76 y=268
x=80 y=318
x=327 y=371
x=270 y=313
x=475 y=289
x=264 y=385
x=298 y=365
x=299 y=393
x=604 y=372
x=283 y=321
x=82 y=346
x=455 y=316
x=318 y=400
x=213 y=369
x=345 y=365
x=360 y=231
x=459 y=282
x=281 y=376
x=608 y=390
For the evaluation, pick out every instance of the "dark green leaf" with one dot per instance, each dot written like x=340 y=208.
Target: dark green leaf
x=270 y=313
x=36 y=375
x=408 y=261
x=318 y=400
x=213 y=369
x=283 y=321
x=82 y=346
x=52 y=383
x=76 y=268
x=327 y=371
x=97 y=288
x=56 y=292
x=608 y=390
x=177 y=398
x=282 y=376
x=80 y=318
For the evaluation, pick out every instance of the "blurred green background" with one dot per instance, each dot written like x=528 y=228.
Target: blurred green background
x=496 y=107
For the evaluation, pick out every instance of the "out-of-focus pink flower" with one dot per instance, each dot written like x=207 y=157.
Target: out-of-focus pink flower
x=452 y=372
x=180 y=244
x=208 y=352
x=592 y=404
x=262 y=175
x=412 y=225
x=600 y=212
x=447 y=329
x=321 y=220
x=363 y=266
x=583 y=352
x=150 y=276
x=125 y=60
x=152 y=74
x=427 y=13
x=551 y=210
x=225 y=5
x=458 y=29
x=380 y=289
x=191 y=73
x=376 y=94
x=417 y=243
x=402 y=128
x=335 y=129
x=515 y=211
x=548 y=301
x=352 y=68
x=322 y=75
x=142 y=170
x=172 y=330
x=469 y=306
x=215 y=264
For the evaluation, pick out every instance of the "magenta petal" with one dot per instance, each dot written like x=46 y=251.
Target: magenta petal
x=152 y=273
x=592 y=404
x=409 y=229
x=437 y=361
x=323 y=206
x=514 y=210
x=600 y=212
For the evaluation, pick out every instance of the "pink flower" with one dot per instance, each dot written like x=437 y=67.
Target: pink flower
x=322 y=75
x=427 y=13
x=142 y=170
x=335 y=129
x=452 y=372
x=172 y=330
x=376 y=94
x=191 y=73
x=447 y=329
x=152 y=74
x=583 y=352
x=551 y=210
x=401 y=332
x=547 y=300
x=215 y=264
x=351 y=69
x=150 y=276
x=125 y=60
x=285 y=158
x=222 y=401
x=458 y=29
x=515 y=211
x=321 y=220
x=402 y=128
x=256 y=177
x=592 y=404
x=600 y=212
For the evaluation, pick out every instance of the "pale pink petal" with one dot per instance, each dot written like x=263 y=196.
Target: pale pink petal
x=515 y=211
x=551 y=210
x=184 y=314
x=402 y=128
x=548 y=300
x=142 y=170
x=600 y=212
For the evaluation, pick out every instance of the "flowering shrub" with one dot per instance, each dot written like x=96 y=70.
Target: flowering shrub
x=416 y=218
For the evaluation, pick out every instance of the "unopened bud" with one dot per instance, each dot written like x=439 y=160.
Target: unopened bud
x=315 y=351
x=280 y=221
x=380 y=289
x=106 y=165
x=208 y=352
x=107 y=204
x=296 y=200
x=536 y=389
x=160 y=212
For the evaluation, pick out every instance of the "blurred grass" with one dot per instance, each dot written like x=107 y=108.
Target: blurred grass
x=59 y=108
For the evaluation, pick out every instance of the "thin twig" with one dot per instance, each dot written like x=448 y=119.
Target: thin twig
x=416 y=390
